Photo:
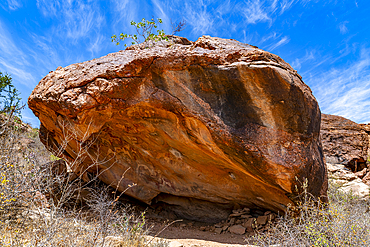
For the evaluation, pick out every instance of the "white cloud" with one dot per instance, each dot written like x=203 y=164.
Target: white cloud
x=7 y=46
x=345 y=92
x=198 y=17
x=284 y=40
x=96 y=46
x=12 y=59
x=254 y=12
x=285 y=5
x=161 y=12
x=296 y=64
x=124 y=12
x=48 y=7
x=343 y=28
x=14 y=4
x=75 y=18
x=273 y=40
x=310 y=56
x=23 y=77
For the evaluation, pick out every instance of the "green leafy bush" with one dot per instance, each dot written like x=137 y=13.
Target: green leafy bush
x=145 y=33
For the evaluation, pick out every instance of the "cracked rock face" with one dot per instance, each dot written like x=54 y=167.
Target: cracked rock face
x=344 y=142
x=203 y=126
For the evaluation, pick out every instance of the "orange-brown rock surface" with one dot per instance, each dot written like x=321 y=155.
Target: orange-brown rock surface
x=344 y=142
x=205 y=126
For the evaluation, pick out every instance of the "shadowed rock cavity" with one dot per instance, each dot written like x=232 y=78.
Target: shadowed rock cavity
x=204 y=126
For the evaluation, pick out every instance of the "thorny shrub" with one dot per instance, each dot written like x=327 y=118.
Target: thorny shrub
x=28 y=217
x=343 y=221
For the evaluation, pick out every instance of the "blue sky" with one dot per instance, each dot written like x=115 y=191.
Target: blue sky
x=326 y=41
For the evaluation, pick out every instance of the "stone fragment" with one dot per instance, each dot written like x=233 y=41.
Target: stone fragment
x=237 y=229
x=366 y=179
x=361 y=173
x=246 y=216
x=232 y=221
x=262 y=220
x=218 y=225
x=246 y=210
x=218 y=230
x=236 y=214
x=249 y=224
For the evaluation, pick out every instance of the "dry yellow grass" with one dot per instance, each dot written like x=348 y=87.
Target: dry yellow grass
x=344 y=221
x=28 y=218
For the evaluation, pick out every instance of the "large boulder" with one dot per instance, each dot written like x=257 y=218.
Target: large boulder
x=205 y=126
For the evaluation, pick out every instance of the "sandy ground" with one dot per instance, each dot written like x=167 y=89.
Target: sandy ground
x=192 y=234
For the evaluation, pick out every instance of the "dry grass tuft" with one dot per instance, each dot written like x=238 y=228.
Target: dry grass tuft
x=344 y=221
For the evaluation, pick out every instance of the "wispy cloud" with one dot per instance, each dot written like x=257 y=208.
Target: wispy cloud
x=346 y=92
x=162 y=13
x=13 y=59
x=343 y=28
x=310 y=56
x=198 y=17
x=121 y=17
x=14 y=4
x=285 y=5
x=23 y=77
x=97 y=44
x=7 y=45
x=75 y=18
x=48 y=7
x=254 y=12
x=284 y=40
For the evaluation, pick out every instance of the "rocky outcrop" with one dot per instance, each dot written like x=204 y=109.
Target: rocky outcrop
x=347 y=181
x=346 y=148
x=204 y=126
x=344 y=142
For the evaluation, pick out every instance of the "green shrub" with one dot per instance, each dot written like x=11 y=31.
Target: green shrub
x=145 y=33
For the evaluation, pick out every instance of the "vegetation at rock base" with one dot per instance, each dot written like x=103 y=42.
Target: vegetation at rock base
x=40 y=206
x=344 y=221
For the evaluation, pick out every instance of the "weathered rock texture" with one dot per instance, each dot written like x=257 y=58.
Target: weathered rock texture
x=347 y=180
x=206 y=126
x=346 y=150
x=344 y=142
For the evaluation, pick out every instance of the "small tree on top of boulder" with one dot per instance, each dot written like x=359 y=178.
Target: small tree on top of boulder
x=144 y=30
